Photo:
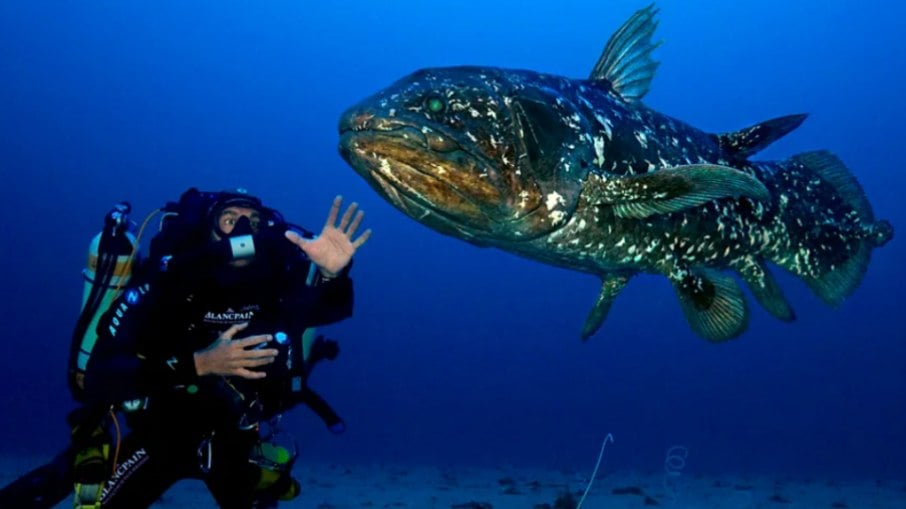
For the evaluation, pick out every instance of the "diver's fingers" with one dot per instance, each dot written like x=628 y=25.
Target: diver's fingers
x=229 y=333
x=295 y=238
x=256 y=363
x=259 y=354
x=253 y=341
x=357 y=243
x=344 y=222
x=334 y=210
x=355 y=224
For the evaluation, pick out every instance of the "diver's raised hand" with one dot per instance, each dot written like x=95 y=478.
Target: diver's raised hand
x=233 y=357
x=332 y=250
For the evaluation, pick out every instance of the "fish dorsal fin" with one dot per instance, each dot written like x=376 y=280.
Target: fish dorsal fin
x=745 y=142
x=626 y=64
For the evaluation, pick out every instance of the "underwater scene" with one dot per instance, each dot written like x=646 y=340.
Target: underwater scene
x=613 y=254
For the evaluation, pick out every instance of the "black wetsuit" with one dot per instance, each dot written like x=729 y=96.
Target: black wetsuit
x=190 y=426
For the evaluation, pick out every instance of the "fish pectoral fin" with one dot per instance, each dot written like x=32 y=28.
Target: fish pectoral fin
x=712 y=302
x=748 y=141
x=675 y=189
x=611 y=286
x=764 y=287
x=626 y=65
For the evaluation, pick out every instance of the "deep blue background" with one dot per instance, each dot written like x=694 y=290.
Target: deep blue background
x=458 y=354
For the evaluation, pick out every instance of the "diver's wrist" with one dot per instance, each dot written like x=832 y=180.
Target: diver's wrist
x=199 y=363
x=327 y=275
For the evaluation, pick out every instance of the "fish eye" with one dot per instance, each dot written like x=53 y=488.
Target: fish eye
x=435 y=104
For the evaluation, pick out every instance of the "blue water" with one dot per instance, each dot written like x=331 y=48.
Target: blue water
x=457 y=354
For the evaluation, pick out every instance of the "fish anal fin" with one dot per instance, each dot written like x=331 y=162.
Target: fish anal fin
x=764 y=287
x=675 y=189
x=745 y=142
x=611 y=286
x=712 y=302
x=626 y=65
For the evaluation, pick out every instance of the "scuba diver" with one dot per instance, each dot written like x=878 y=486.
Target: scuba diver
x=212 y=341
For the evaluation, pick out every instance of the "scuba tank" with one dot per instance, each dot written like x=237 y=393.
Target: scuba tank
x=109 y=270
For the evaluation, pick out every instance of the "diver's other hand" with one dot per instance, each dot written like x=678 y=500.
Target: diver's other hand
x=332 y=250
x=233 y=357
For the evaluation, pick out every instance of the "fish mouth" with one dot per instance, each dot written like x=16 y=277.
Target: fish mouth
x=430 y=139
x=424 y=173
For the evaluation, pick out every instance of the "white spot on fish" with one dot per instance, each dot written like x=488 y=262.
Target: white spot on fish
x=642 y=139
x=599 y=151
x=574 y=122
x=554 y=199
x=605 y=123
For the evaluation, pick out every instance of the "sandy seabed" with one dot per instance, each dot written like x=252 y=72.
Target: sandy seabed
x=337 y=486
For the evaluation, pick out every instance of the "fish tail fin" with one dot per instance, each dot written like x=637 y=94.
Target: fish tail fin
x=830 y=224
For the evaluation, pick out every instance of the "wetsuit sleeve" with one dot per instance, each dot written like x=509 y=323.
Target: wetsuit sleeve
x=322 y=302
x=136 y=354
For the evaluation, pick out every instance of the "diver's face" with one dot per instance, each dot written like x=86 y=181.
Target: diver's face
x=230 y=215
x=227 y=220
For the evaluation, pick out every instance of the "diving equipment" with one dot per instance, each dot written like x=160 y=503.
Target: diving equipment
x=110 y=257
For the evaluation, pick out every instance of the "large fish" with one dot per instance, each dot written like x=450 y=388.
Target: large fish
x=580 y=174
